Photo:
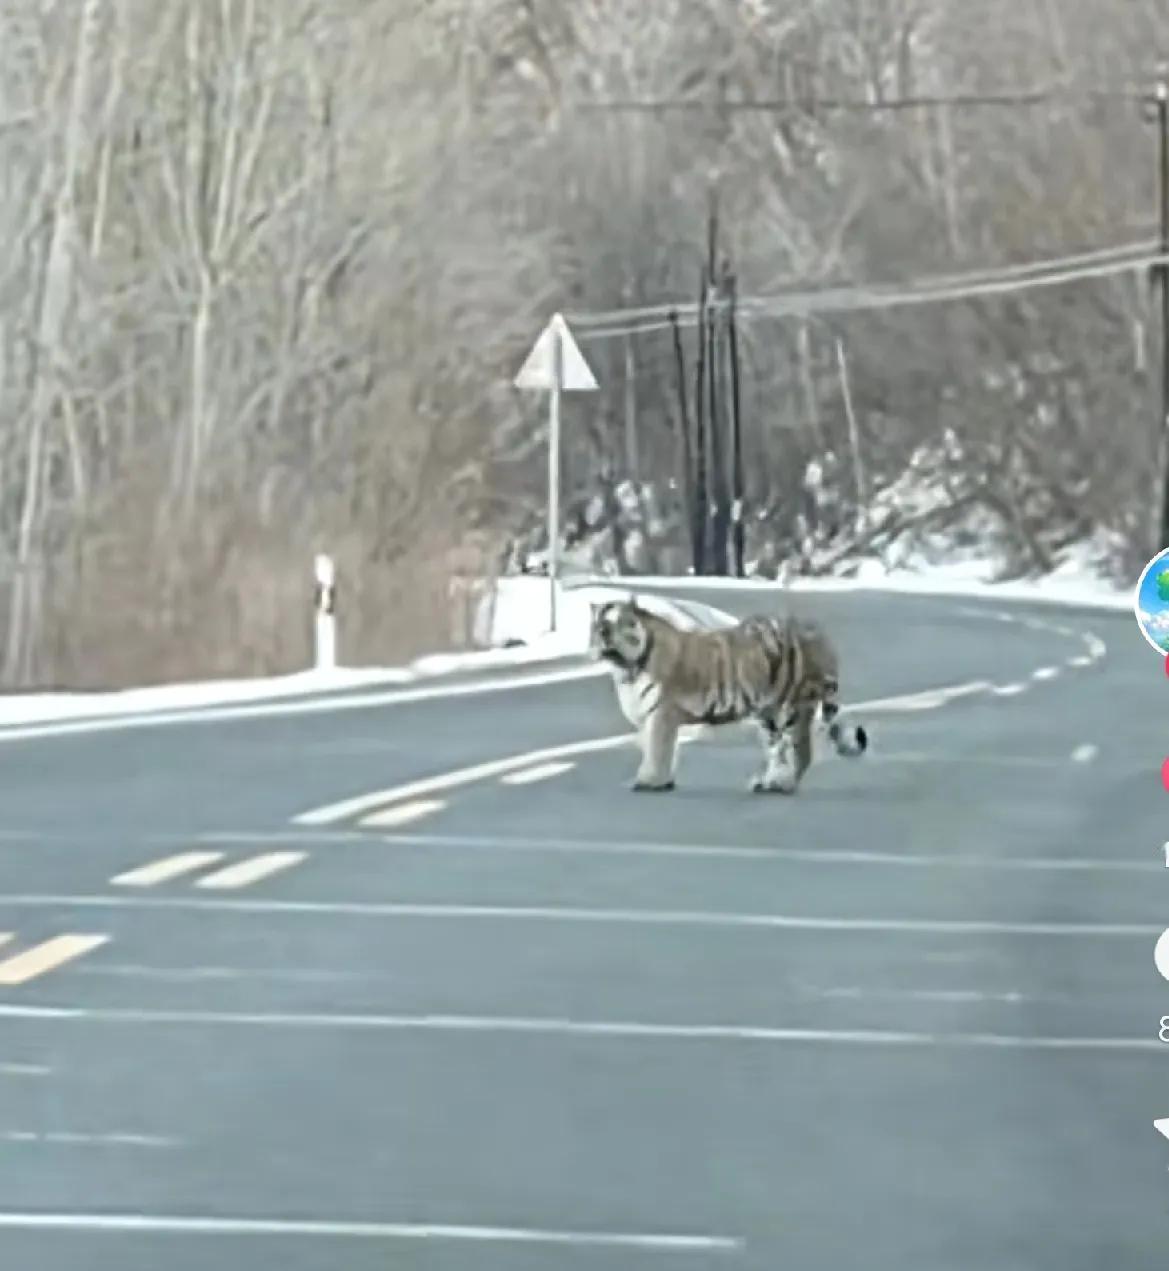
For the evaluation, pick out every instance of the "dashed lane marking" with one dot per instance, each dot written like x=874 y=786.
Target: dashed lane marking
x=25 y=1070
x=164 y=871
x=541 y=772
x=1046 y=673
x=332 y=813
x=1081 y=661
x=244 y=873
x=47 y=956
x=403 y=813
x=1085 y=753
x=1008 y=690
x=552 y=1026
x=368 y=1231
x=67 y=1138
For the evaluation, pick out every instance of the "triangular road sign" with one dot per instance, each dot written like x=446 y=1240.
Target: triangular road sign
x=539 y=371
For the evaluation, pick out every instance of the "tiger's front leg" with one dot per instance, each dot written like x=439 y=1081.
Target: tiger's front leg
x=659 y=751
x=778 y=776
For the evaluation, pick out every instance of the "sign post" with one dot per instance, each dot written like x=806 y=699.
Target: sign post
x=555 y=365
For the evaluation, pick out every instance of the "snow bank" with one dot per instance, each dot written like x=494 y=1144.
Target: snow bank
x=1072 y=584
x=520 y=614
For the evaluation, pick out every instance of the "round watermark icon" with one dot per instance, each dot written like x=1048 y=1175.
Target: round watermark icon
x=1151 y=603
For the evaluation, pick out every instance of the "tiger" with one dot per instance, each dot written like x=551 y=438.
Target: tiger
x=780 y=673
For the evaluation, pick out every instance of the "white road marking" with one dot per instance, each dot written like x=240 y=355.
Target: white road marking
x=1008 y=690
x=858 y=993
x=66 y=1138
x=25 y=1070
x=403 y=813
x=47 y=956
x=602 y=917
x=927 y=700
x=297 y=706
x=777 y=855
x=1080 y=661
x=346 y=809
x=165 y=870
x=1046 y=673
x=556 y=1026
x=1085 y=753
x=200 y=974
x=541 y=772
x=1096 y=647
x=176 y=1225
x=244 y=873
x=5 y=937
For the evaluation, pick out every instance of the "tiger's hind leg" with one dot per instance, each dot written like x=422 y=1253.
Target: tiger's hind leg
x=800 y=727
x=778 y=775
x=659 y=751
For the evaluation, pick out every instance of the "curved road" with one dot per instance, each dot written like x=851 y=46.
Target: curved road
x=518 y=1017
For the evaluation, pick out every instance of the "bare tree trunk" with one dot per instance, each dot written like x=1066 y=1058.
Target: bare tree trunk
x=57 y=296
x=854 y=441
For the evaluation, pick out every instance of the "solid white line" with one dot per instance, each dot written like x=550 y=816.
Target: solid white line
x=1046 y=673
x=778 y=855
x=66 y=1138
x=555 y=1026
x=928 y=699
x=165 y=870
x=346 y=809
x=541 y=772
x=244 y=873
x=404 y=813
x=310 y=706
x=47 y=956
x=1085 y=753
x=176 y=1225
x=602 y=917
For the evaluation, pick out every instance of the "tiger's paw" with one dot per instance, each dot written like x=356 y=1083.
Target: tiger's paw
x=641 y=786
x=773 y=785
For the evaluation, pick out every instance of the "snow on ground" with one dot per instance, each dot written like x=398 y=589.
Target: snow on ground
x=521 y=613
x=1073 y=583
x=519 y=616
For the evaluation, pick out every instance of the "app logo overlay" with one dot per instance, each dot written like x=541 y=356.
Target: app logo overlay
x=1151 y=603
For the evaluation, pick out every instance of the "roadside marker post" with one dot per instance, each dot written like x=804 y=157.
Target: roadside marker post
x=554 y=366
x=325 y=615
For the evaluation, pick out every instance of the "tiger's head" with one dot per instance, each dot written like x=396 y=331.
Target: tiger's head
x=620 y=636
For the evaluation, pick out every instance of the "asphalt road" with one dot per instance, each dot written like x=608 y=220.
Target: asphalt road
x=907 y=1020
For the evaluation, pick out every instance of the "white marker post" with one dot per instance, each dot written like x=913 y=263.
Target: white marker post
x=325 y=615
x=555 y=365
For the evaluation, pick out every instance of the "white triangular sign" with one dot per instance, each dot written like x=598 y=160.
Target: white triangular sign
x=539 y=371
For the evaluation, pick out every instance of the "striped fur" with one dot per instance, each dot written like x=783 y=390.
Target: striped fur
x=780 y=673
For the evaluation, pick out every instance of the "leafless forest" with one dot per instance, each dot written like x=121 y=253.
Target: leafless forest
x=270 y=265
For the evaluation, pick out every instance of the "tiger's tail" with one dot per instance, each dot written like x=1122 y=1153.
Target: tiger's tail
x=850 y=741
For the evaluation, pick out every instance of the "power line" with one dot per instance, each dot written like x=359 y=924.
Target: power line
x=1100 y=262
x=810 y=105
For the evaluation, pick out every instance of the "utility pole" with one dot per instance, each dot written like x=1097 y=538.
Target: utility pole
x=701 y=497
x=1161 y=104
x=737 y=529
